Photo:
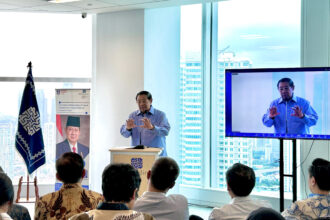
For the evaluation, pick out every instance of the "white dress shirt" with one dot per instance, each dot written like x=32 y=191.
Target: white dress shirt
x=5 y=216
x=238 y=209
x=162 y=207
x=76 y=146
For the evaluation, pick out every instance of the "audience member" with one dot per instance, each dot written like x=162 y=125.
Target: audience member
x=71 y=198
x=195 y=217
x=265 y=214
x=6 y=196
x=317 y=205
x=19 y=212
x=240 y=182
x=16 y=211
x=161 y=178
x=120 y=184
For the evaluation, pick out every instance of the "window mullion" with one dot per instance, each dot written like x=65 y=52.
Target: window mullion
x=206 y=68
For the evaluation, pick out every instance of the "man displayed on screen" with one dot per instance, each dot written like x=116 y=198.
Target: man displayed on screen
x=147 y=126
x=289 y=114
x=71 y=144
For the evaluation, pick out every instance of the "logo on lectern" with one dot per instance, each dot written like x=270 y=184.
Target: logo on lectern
x=137 y=163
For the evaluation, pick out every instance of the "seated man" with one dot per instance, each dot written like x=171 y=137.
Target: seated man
x=120 y=184
x=161 y=178
x=16 y=211
x=6 y=196
x=240 y=182
x=265 y=213
x=19 y=212
x=317 y=205
x=71 y=198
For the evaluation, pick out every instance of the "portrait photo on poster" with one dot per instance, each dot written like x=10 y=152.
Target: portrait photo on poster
x=73 y=134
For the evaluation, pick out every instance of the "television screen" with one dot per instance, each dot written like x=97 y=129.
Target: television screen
x=278 y=103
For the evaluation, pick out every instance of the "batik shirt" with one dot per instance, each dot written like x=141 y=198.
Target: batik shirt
x=316 y=206
x=71 y=199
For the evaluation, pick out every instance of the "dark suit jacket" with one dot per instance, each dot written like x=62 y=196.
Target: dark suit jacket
x=64 y=147
x=19 y=212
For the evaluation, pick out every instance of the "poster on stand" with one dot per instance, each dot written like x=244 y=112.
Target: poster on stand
x=73 y=126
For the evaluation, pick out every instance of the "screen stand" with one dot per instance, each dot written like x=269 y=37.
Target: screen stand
x=293 y=175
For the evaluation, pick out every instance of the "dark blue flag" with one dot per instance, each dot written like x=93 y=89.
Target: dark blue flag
x=29 y=141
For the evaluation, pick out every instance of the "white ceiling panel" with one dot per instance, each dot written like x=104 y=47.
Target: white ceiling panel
x=90 y=6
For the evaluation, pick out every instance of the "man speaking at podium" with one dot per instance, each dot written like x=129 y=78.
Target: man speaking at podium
x=147 y=126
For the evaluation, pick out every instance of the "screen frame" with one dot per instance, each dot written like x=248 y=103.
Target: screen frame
x=228 y=102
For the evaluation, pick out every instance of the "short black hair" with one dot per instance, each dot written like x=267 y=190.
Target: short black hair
x=241 y=179
x=164 y=173
x=148 y=94
x=70 y=167
x=320 y=170
x=288 y=80
x=265 y=213
x=6 y=189
x=119 y=182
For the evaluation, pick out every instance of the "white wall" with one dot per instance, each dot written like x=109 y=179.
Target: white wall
x=162 y=67
x=118 y=56
x=315 y=30
x=315 y=52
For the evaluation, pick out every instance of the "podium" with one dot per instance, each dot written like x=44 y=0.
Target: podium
x=140 y=159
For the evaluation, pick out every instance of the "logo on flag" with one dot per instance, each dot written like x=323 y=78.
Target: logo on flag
x=29 y=141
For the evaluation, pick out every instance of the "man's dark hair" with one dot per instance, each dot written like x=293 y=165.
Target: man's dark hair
x=320 y=170
x=148 y=94
x=70 y=167
x=164 y=173
x=119 y=182
x=6 y=189
x=241 y=179
x=288 y=80
x=265 y=213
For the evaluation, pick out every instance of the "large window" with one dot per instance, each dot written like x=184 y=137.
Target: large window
x=244 y=34
x=59 y=47
x=191 y=95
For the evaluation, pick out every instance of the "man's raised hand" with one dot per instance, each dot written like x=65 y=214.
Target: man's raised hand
x=130 y=124
x=273 y=112
x=146 y=124
x=297 y=112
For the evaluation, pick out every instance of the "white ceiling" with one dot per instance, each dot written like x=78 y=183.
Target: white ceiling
x=88 y=6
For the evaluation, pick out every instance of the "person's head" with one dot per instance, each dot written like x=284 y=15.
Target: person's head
x=240 y=180
x=120 y=183
x=164 y=173
x=144 y=101
x=73 y=129
x=319 y=174
x=265 y=213
x=6 y=191
x=286 y=87
x=70 y=168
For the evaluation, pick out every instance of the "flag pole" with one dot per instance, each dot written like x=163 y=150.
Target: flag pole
x=28 y=175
